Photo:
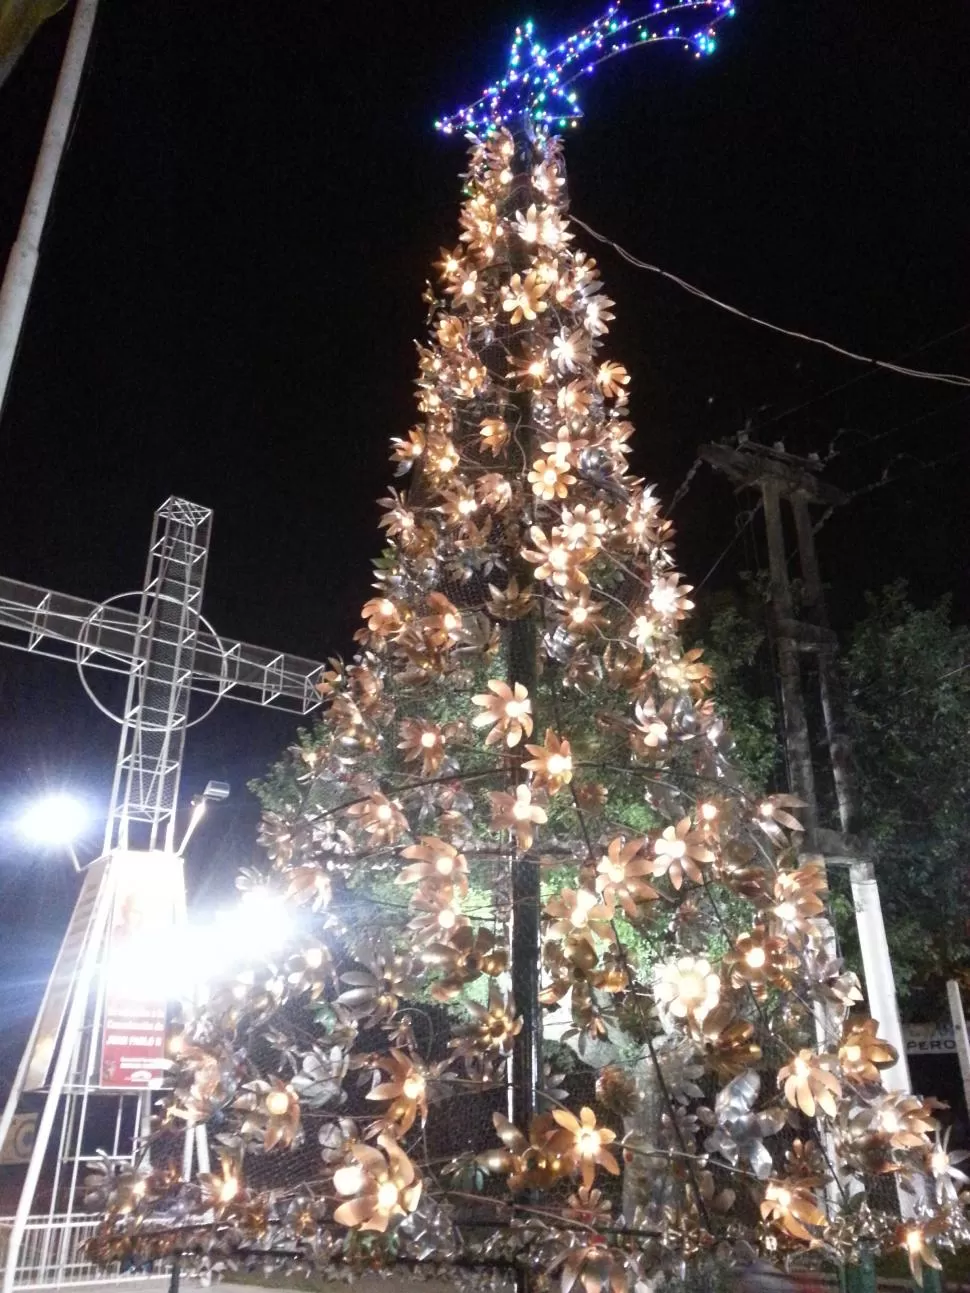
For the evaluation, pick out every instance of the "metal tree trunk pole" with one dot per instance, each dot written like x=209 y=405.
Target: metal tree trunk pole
x=522 y=645
x=18 y=279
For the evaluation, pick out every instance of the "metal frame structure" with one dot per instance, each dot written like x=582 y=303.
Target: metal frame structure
x=167 y=651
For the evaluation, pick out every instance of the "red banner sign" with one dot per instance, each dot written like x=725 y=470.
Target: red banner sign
x=148 y=902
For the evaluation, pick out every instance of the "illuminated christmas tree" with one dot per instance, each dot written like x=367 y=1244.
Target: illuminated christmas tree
x=561 y=997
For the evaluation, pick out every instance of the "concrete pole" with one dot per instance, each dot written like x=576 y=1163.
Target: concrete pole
x=798 y=745
x=25 y=253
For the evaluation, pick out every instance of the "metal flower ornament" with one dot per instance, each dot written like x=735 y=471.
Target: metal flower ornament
x=561 y=1000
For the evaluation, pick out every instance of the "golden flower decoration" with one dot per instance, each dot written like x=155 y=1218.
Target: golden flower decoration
x=422 y=740
x=760 y=961
x=792 y=1205
x=405 y=1086
x=681 y=851
x=466 y=288
x=494 y=435
x=550 y=478
x=527 y=1163
x=687 y=987
x=517 y=812
x=450 y=262
x=912 y=1238
x=574 y=398
x=437 y=861
x=494 y=491
x=582 y=1145
x=531 y=370
x=797 y=900
x=620 y=874
x=580 y=913
x=728 y=1042
x=555 y=560
x=380 y=817
x=668 y=597
x=591 y=796
x=382 y=615
x=442 y=626
x=616 y=1090
x=464 y=958
x=406 y=452
x=458 y=504
x=381 y=1185
x=510 y=602
x=507 y=710
x=580 y=613
x=599 y=315
x=906 y=1120
x=589 y=1208
x=611 y=379
x=809 y=1085
x=571 y=350
x=551 y=764
x=582 y=527
x=774 y=818
x=491 y=1029
x=522 y=297
x=451 y=332
x=272 y=1111
x=862 y=1053
x=437 y=908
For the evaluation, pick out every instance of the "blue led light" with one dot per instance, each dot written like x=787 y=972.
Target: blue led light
x=537 y=81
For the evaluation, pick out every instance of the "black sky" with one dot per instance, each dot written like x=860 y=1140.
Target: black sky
x=230 y=288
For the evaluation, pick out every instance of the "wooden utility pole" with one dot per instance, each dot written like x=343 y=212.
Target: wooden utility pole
x=781 y=476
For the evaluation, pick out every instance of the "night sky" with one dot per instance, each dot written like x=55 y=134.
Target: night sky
x=230 y=289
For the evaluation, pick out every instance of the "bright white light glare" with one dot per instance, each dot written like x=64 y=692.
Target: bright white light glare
x=54 y=820
x=255 y=928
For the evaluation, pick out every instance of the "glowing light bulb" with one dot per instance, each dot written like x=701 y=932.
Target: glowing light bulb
x=801 y=1068
x=783 y=1197
x=579 y=614
x=429 y=739
x=228 y=1189
x=550 y=476
x=444 y=864
x=558 y=764
x=588 y=1142
x=447 y=918
x=914 y=1240
x=939 y=1162
x=890 y=1122
x=313 y=957
x=384 y=813
x=450 y=621
x=786 y=911
x=277 y=1103
x=446 y=463
x=387 y=607
x=521 y=810
x=853 y=1054
x=387 y=1196
x=515 y=709
x=558 y=558
x=756 y=958
x=708 y=812
x=468 y=287
x=413 y=1087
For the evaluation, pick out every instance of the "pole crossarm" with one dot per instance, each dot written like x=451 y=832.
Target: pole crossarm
x=103 y=636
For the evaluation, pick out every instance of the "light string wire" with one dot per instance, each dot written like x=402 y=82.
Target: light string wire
x=950 y=379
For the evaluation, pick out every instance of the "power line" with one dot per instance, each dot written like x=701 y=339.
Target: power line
x=740 y=529
x=949 y=379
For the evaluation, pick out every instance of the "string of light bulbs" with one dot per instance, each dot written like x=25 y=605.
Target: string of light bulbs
x=949 y=379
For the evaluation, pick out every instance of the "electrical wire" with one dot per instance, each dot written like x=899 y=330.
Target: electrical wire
x=949 y=379
x=740 y=529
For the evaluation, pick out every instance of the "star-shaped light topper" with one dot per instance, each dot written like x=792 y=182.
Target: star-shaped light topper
x=540 y=83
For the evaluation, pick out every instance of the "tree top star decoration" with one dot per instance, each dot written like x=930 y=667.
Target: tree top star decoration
x=562 y=1001
x=540 y=83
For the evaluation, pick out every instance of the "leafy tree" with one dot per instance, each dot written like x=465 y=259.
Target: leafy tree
x=907 y=673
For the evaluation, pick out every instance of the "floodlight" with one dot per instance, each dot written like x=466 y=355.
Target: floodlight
x=55 y=821
x=216 y=792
